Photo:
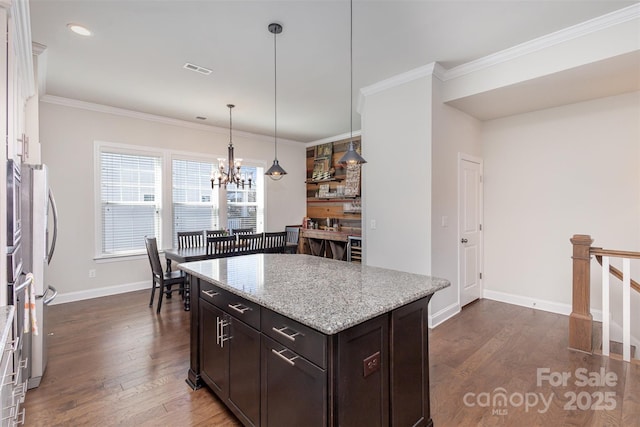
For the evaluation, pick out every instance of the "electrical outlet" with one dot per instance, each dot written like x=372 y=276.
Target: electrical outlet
x=371 y=364
x=92 y=273
x=374 y=225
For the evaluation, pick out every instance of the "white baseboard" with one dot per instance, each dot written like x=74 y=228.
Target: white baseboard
x=558 y=308
x=535 y=303
x=100 y=292
x=444 y=314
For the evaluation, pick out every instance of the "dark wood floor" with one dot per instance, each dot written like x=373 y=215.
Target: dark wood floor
x=113 y=361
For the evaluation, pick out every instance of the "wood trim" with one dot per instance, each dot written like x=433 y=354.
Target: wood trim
x=581 y=320
x=599 y=252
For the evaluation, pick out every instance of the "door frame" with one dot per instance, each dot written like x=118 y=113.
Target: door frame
x=474 y=159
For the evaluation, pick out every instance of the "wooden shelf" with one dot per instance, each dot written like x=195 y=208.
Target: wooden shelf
x=332 y=199
x=329 y=204
x=322 y=181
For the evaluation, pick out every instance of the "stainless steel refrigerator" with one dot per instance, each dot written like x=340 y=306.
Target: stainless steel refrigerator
x=40 y=229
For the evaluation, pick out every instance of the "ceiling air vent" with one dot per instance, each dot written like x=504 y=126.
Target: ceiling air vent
x=197 y=68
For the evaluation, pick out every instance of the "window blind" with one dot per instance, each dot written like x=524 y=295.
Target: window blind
x=130 y=201
x=242 y=204
x=195 y=204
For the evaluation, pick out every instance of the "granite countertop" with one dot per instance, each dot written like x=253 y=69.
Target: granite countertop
x=6 y=322
x=324 y=294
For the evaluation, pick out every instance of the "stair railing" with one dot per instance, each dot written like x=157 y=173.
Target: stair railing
x=580 y=320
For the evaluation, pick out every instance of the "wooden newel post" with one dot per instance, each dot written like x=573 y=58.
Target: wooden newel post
x=580 y=320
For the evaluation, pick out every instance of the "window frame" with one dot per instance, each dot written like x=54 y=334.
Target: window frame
x=166 y=208
x=103 y=147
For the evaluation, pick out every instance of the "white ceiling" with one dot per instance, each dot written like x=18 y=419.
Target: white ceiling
x=135 y=56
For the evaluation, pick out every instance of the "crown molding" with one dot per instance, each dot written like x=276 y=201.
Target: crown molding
x=588 y=27
x=333 y=138
x=37 y=48
x=106 y=109
x=397 y=80
x=40 y=62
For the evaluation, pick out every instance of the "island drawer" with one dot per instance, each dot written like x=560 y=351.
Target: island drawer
x=238 y=307
x=305 y=341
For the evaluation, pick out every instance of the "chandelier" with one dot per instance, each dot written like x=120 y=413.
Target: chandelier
x=229 y=173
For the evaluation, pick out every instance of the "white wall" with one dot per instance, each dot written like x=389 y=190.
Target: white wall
x=68 y=134
x=453 y=132
x=551 y=174
x=396 y=181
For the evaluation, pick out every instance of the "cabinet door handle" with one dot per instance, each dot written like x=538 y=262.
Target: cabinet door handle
x=220 y=335
x=239 y=308
x=218 y=330
x=291 y=337
x=285 y=358
x=210 y=293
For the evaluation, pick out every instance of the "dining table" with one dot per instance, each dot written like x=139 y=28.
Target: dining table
x=180 y=255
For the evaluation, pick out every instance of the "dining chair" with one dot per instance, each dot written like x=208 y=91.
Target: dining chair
x=221 y=246
x=275 y=242
x=214 y=233
x=164 y=281
x=190 y=239
x=293 y=236
x=237 y=231
x=250 y=243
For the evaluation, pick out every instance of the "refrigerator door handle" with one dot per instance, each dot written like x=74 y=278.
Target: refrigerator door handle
x=46 y=301
x=54 y=210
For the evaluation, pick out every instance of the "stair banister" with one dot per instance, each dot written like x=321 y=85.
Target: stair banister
x=581 y=320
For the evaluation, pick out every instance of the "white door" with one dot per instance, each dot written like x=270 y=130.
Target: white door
x=470 y=228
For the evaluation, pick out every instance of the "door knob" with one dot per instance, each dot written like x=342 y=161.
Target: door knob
x=463 y=240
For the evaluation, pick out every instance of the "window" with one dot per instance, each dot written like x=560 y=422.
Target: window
x=130 y=196
x=244 y=209
x=195 y=205
x=145 y=191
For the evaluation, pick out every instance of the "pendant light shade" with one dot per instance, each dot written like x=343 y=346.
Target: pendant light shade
x=275 y=172
x=351 y=156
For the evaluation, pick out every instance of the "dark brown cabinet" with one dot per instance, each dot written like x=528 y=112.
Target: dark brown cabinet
x=230 y=358
x=214 y=357
x=410 y=365
x=273 y=371
x=294 y=390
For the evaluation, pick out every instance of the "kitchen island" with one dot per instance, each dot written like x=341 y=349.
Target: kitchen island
x=298 y=340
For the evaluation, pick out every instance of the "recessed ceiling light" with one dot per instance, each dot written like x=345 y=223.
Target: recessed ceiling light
x=79 y=29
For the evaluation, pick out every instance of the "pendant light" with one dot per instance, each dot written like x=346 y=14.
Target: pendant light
x=351 y=156
x=275 y=172
x=232 y=173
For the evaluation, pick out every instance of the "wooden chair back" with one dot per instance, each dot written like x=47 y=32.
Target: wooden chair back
x=238 y=231
x=215 y=233
x=293 y=236
x=275 y=242
x=190 y=239
x=154 y=257
x=250 y=243
x=221 y=246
